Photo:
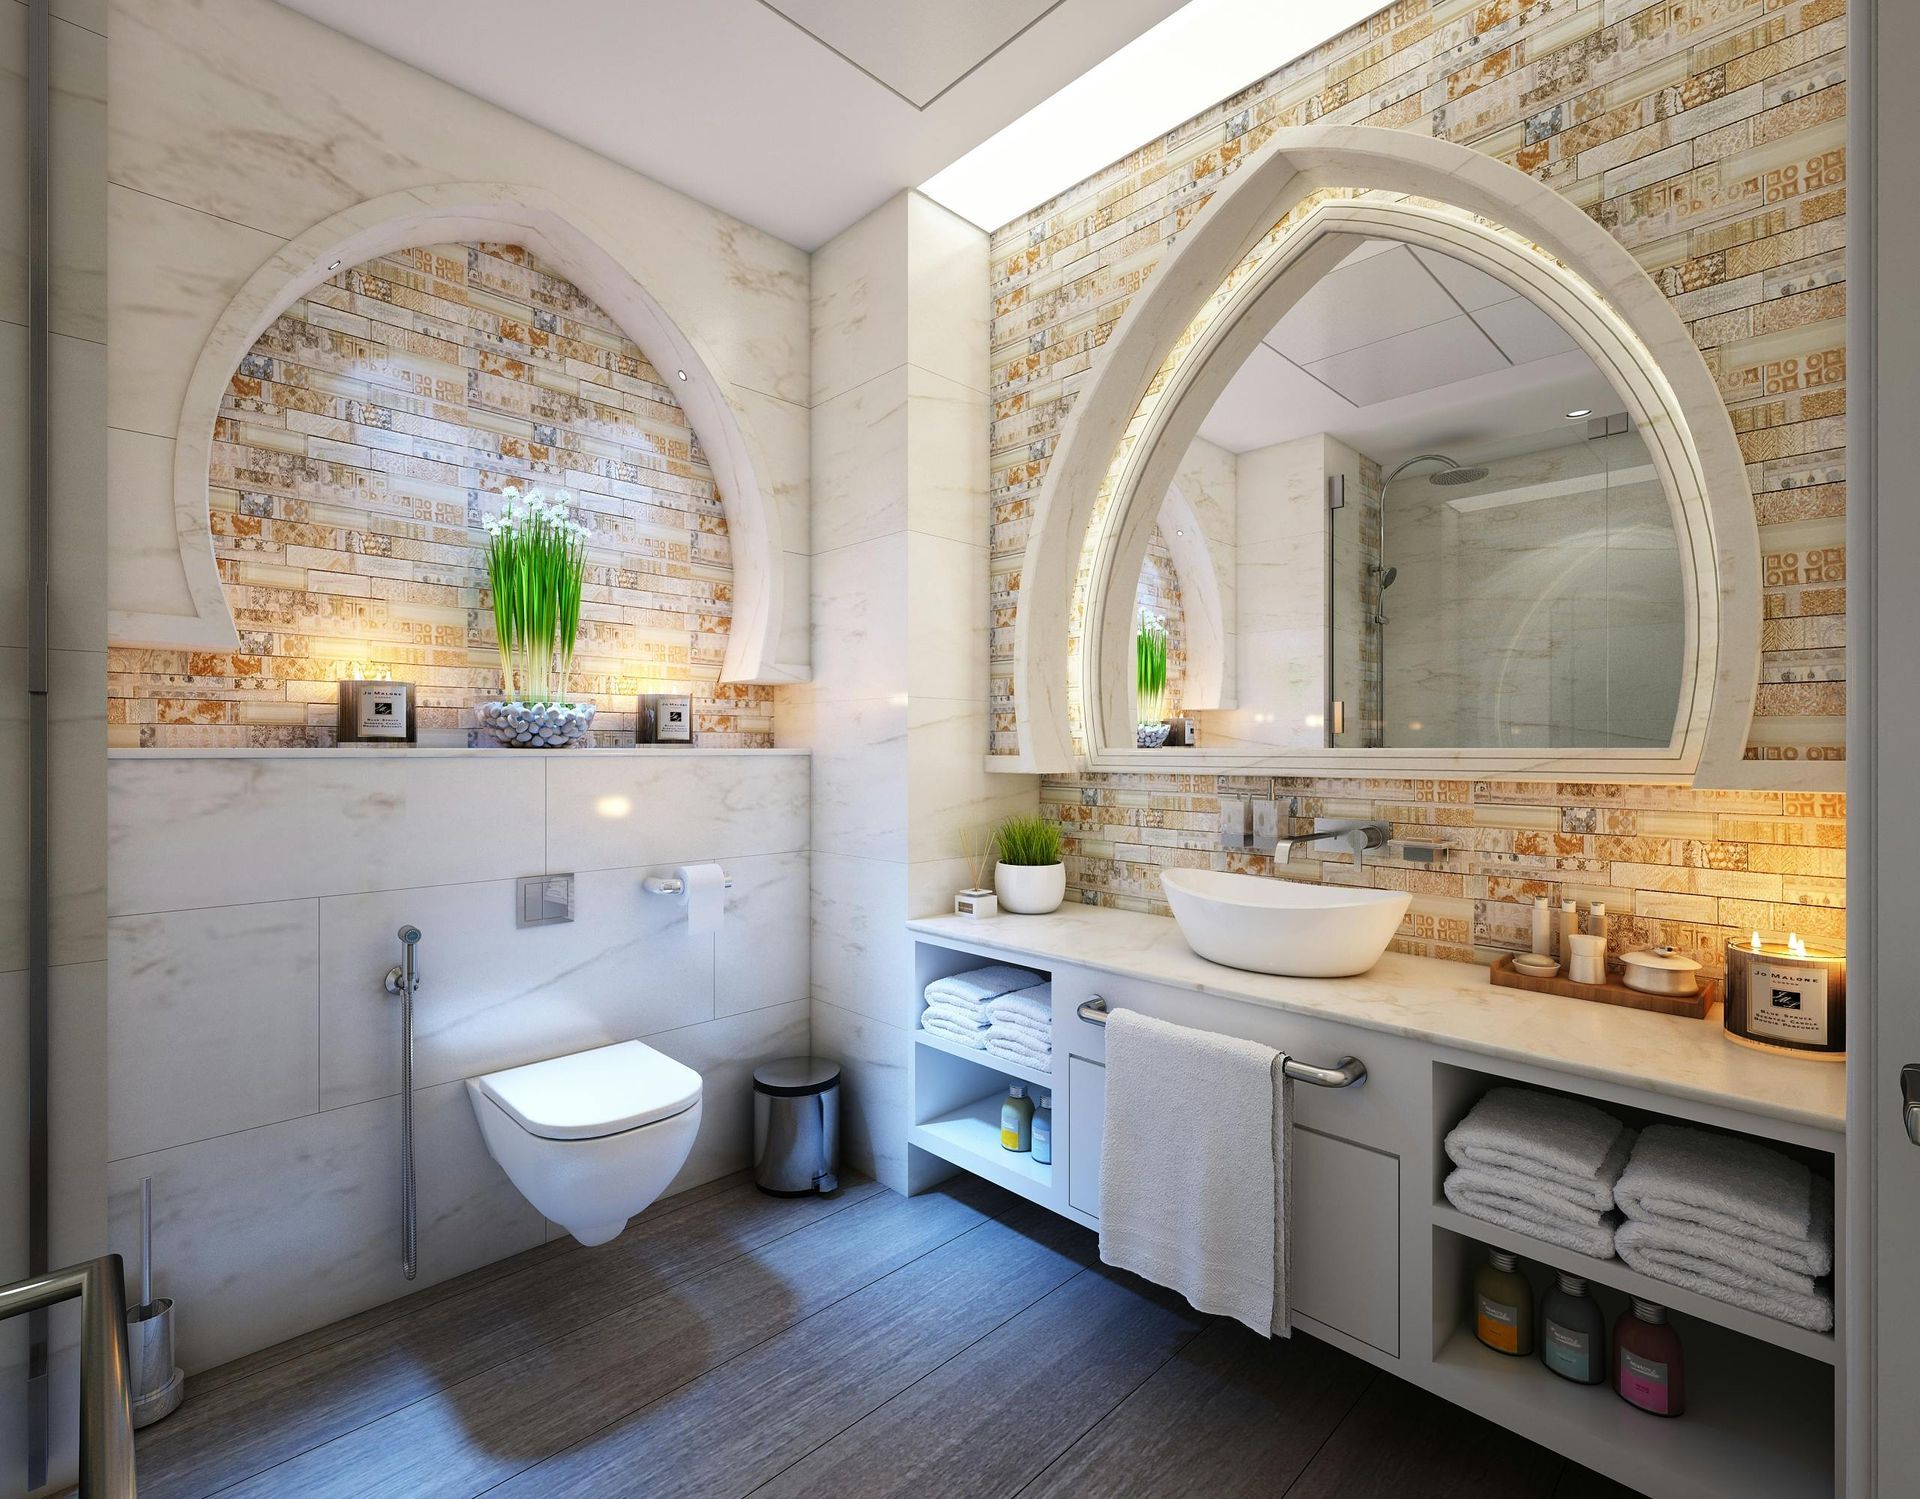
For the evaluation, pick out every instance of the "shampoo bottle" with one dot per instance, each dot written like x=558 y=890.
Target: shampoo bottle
x=1503 y=1306
x=1648 y=1369
x=1573 y=1332
x=1016 y=1120
x=1043 y=1130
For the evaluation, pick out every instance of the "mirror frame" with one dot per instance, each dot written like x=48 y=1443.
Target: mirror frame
x=1256 y=247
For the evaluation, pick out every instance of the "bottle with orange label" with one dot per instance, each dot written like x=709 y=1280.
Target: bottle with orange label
x=1503 y=1306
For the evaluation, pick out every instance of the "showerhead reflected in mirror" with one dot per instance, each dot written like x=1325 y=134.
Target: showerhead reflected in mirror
x=1417 y=515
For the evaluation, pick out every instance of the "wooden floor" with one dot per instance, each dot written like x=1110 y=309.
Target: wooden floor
x=730 y=1343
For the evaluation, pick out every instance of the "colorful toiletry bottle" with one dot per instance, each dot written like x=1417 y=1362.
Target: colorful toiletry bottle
x=1043 y=1130
x=1503 y=1306
x=1573 y=1332
x=1016 y=1120
x=1648 y=1368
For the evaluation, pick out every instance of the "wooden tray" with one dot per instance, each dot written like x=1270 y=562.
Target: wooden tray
x=1692 y=1007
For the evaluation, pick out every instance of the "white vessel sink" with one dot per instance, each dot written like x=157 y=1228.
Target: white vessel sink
x=1278 y=926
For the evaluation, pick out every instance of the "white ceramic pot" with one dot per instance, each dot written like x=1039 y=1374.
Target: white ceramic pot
x=1030 y=889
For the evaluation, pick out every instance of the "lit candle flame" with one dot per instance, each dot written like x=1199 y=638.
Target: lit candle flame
x=1756 y=942
x=1796 y=946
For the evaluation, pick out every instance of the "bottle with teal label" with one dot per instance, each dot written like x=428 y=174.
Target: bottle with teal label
x=1016 y=1120
x=1043 y=1130
x=1573 y=1332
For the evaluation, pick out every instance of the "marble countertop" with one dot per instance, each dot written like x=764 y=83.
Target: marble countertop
x=441 y=751
x=1448 y=1004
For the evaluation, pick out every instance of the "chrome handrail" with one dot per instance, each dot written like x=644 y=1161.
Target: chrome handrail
x=106 y=1411
x=1350 y=1071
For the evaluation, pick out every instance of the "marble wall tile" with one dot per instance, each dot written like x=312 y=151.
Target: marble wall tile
x=859 y=311
x=77 y=231
x=214 y=1022
x=195 y=831
x=948 y=302
x=496 y=995
x=860 y=778
x=144 y=571
x=762 y=953
x=873 y=1093
x=862 y=957
x=860 y=614
x=668 y=807
x=947 y=459
x=271 y=1231
x=947 y=618
x=950 y=789
x=861 y=459
x=724 y=1052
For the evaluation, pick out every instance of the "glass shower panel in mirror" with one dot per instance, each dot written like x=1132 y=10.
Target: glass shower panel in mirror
x=1412 y=518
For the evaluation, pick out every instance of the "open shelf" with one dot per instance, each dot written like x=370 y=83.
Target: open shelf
x=1004 y=1065
x=1759 y=1420
x=969 y=1137
x=1622 y=1277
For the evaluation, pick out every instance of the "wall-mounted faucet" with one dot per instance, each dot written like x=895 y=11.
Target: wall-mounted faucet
x=1356 y=834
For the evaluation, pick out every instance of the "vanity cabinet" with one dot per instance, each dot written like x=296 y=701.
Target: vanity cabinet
x=1382 y=1264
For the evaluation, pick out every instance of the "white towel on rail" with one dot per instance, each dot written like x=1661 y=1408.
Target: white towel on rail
x=1194 y=1167
x=1734 y=1187
x=1569 y=1148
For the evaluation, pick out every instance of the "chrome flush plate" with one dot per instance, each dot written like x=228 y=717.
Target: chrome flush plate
x=545 y=900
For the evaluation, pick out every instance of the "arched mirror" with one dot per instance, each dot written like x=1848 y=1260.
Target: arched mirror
x=1407 y=494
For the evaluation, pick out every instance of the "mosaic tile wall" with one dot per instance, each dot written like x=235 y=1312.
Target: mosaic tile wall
x=1707 y=135
x=1689 y=868
x=357 y=447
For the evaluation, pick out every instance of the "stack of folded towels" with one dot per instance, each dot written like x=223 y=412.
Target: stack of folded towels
x=957 y=1004
x=1021 y=1027
x=1542 y=1165
x=1731 y=1219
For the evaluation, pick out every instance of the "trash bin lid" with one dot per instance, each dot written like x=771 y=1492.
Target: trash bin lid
x=795 y=1077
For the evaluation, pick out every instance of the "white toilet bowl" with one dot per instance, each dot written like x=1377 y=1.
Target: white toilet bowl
x=592 y=1138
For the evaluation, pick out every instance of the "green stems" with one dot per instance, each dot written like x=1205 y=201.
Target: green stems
x=536 y=569
x=1150 y=668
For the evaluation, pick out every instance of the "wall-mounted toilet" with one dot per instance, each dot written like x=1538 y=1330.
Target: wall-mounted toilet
x=592 y=1138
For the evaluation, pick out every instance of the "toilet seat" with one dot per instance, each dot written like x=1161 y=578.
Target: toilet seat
x=592 y=1094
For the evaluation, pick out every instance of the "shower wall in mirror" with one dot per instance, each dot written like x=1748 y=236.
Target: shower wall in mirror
x=1441 y=530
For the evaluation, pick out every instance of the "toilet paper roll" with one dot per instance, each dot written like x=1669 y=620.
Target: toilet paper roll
x=704 y=888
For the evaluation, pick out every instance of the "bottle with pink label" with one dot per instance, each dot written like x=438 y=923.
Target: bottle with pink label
x=1649 y=1369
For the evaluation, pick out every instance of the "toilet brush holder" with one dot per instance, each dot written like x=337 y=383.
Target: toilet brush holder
x=157 y=1384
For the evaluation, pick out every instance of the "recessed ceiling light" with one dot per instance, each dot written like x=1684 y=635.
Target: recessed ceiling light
x=681 y=373
x=1574 y=416
x=334 y=266
x=1162 y=77
x=1179 y=532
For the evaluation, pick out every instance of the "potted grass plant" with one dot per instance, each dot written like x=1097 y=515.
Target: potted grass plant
x=1150 y=680
x=1029 y=878
x=536 y=565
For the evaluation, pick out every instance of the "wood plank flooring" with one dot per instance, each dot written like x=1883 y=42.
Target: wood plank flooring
x=958 y=1343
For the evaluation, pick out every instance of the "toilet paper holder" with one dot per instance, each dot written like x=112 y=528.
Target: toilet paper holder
x=655 y=884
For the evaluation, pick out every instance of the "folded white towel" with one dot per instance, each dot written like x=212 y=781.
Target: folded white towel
x=1198 y=1200
x=1712 y=1265
x=1035 y=1005
x=1570 y=1148
x=960 y=1032
x=979 y=985
x=999 y=1044
x=1039 y=1036
x=1513 y=1200
x=957 y=1014
x=1770 y=1203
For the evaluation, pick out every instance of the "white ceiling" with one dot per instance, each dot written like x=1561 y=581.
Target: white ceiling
x=1402 y=349
x=797 y=116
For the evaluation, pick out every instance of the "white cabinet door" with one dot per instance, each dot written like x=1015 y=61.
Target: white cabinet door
x=1086 y=1115
x=1346 y=1238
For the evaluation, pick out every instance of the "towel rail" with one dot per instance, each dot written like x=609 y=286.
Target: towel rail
x=1350 y=1071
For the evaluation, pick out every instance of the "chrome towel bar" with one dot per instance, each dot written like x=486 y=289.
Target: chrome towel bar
x=1350 y=1071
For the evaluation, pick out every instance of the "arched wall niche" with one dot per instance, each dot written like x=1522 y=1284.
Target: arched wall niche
x=1265 y=236
x=767 y=522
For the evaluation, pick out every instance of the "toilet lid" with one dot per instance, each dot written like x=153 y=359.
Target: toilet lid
x=594 y=1093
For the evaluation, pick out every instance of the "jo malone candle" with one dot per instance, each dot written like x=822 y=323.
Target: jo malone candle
x=1787 y=996
x=376 y=713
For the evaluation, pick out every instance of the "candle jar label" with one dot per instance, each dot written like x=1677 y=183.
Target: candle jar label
x=383 y=710
x=1787 y=1003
